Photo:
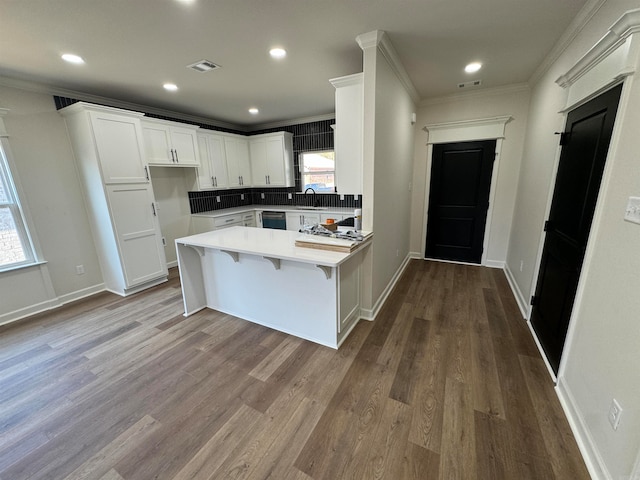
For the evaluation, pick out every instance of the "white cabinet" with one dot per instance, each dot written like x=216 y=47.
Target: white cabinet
x=170 y=143
x=348 y=135
x=108 y=148
x=238 y=165
x=272 y=159
x=212 y=172
x=296 y=220
x=202 y=224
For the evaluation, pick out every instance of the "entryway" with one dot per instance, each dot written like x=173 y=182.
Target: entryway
x=459 y=200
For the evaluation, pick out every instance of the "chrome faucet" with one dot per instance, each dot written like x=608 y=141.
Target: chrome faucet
x=315 y=201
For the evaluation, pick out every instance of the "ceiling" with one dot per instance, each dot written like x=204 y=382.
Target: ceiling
x=132 y=47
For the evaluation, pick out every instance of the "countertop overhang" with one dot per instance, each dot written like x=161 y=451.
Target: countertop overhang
x=270 y=243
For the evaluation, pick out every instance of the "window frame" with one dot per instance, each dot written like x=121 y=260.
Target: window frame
x=321 y=172
x=16 y=209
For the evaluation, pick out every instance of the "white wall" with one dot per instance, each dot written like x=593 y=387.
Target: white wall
x=388 y=165
x=513 y=101
x=171 y=187
x=45 y=166
x=602 y=355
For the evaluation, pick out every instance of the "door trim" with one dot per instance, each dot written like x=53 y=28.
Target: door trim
x=491 y=128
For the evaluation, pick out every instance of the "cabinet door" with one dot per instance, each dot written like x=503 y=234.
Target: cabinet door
x=349 y=133
x=137 y=232
x=237 y=153
x=157 y=142
x=206 y=179
x=184 y=144
x=119 y=144
x=310 y=219
x=218 y=161
x=275 y=160
x=294 y=221
x=258 y=155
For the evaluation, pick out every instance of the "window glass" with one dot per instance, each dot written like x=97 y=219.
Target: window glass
x=318 y=171
x=15 y=246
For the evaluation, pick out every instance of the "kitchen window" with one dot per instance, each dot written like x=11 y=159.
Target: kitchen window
x=16 y=248
x=318 y=171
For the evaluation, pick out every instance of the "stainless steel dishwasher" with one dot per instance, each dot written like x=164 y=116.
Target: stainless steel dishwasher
x=277 y=220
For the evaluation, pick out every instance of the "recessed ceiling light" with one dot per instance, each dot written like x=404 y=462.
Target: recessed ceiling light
x=278 y=52
x=172 y=87
x=254 y=111
x=71 y=58
x=473 y=67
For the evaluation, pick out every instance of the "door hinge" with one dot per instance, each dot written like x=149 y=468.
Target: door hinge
x=564 y=137
x=534 y=300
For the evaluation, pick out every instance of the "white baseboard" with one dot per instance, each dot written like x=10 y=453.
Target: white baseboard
x=494 y=264
x=592 y=458
x=520 y=300
x=370 y=314
x=30 y=310
x=172 y=264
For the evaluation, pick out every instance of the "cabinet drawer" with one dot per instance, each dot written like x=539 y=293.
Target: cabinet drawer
x=226 y=220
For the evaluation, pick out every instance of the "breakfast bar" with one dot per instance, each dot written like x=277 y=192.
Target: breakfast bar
x=260 y=275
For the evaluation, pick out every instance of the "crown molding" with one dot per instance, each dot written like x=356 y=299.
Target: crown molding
x=618 y=33
x=575 y=27
x=294 y=121
x=467 y=130
x=380 y=40
x=485 y=92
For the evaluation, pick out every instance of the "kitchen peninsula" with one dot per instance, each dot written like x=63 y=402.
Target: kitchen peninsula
x=260 y=275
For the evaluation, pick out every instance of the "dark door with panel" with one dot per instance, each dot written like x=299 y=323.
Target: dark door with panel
x=459 y=200
x=585 y=144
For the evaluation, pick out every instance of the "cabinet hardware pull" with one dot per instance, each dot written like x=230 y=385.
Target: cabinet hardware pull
x=146 y=172
x=213 y=182
x=173 y=159
x=269 y=179
x=239 y=181
x=177 y=159
x=153 y=208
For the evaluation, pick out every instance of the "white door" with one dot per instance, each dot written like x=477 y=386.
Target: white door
x=137 y=232
x=119 y=144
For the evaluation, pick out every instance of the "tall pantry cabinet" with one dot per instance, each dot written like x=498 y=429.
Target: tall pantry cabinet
x=110 y=157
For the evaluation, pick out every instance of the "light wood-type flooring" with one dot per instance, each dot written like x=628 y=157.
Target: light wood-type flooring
x=445 y=384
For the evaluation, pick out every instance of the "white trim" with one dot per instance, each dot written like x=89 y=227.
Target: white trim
x=579 y=22
x=50 y=304
x=370 y=314
x=499 y=264
x=380 y=39
x=525 y=308
x=467 y=130
x=590 y=454
x=542 y=353
x=635 y=474
x=172 y=264
x=288 y=122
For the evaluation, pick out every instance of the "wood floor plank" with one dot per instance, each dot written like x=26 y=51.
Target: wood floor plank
x=445 y=383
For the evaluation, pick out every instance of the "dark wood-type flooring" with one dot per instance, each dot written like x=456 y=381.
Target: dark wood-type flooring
x=445 y=384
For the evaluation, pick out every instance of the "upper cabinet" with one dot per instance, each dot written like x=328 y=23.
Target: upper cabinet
x=236 y=148
x=272 y=159
x=348 y=135
x=212 y=172
x=170 y=143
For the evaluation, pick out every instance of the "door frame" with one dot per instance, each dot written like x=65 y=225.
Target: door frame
x=491 y=128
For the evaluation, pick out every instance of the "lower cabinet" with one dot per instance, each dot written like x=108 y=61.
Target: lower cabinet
x=296 y=220
x=137 y=231
x=202 y=224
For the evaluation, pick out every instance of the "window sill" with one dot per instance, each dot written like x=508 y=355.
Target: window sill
x=20 y=267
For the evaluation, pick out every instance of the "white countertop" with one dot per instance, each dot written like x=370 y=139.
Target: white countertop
x=276 y=208
x=268 y=243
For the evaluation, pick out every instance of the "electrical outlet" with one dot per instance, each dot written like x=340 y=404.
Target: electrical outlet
x=615 y=412
x=79 y=269
x=262 y=196
x=290 y=196
x=242 y=196
x=632 y=212
x=218 y=198
x=342 y=197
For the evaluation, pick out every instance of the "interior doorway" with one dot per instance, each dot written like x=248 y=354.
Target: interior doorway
x=585 y=144
x=459 y=200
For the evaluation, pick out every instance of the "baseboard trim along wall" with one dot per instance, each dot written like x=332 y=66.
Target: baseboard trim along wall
x=592 y=458
x=370 y=314
x=56 y=302
x=520 y=300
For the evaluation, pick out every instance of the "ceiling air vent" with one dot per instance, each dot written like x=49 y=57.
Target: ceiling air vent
x=203 y=66
x=473 y=83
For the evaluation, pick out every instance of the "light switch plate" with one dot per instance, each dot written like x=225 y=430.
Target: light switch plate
x=632 y=213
